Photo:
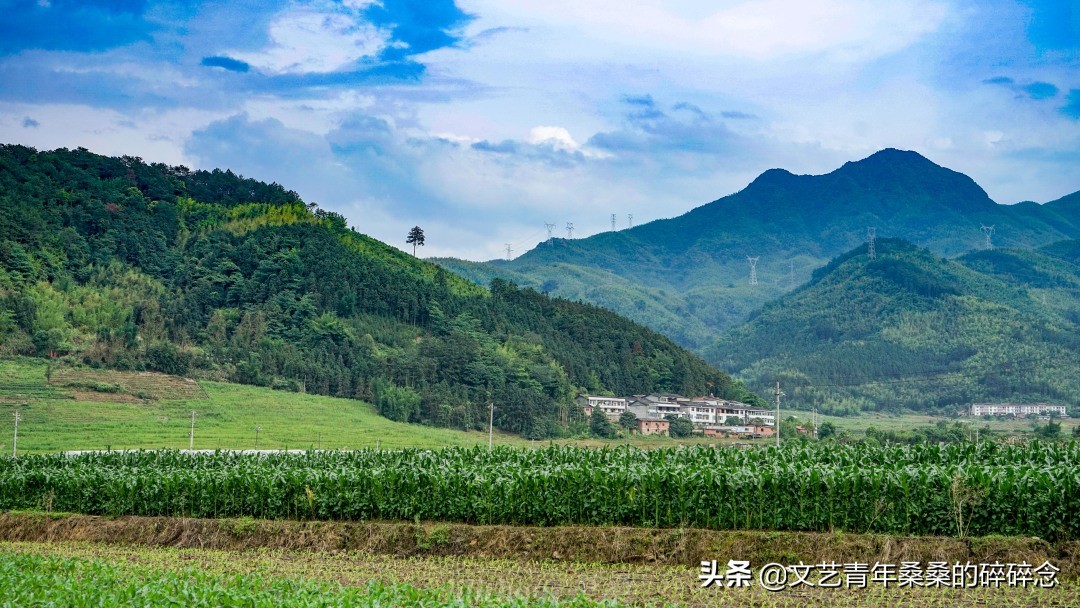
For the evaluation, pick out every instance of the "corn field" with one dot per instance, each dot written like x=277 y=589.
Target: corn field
x=957 y=490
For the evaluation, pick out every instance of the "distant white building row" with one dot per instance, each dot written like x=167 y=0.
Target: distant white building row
x=1017 y=409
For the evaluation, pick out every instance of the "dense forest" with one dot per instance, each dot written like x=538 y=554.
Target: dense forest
x=118 y=263
x=909 y=330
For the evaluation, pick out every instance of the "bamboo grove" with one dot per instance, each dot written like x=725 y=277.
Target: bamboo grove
x=956 y=490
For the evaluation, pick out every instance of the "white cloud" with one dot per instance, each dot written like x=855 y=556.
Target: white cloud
x=757 y=29
x=556 y=137
x=304 y=40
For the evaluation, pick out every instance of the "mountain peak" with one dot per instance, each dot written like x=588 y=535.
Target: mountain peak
x=893 y=159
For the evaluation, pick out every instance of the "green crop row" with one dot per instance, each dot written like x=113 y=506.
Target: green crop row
x=925 y=489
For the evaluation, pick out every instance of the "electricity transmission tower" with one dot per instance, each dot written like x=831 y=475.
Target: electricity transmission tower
x=791 y=273
x=550 y=229
x=871 y=234
x=988 y=231
x=753 y=268
x=613 y=222
x=569 y=230
x=630 y=220
x=509 y=251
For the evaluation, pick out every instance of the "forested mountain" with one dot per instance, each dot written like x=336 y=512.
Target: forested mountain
x=688 y=277
x=118 y=263
x=912 y=330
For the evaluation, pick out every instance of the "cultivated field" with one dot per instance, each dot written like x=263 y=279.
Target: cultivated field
x=957 y=490
x=73 y=572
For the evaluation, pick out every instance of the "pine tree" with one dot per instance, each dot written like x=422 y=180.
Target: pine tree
x=416 y=237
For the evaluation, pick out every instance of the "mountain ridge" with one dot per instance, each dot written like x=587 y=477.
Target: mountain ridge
x=694 y=266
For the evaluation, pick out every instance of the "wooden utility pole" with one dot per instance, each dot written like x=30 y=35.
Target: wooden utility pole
x=491 y=421
x=778 y=393
x=191 y=434
x=15 y=442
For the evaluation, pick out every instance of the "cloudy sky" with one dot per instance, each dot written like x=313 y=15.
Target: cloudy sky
x=482 y=120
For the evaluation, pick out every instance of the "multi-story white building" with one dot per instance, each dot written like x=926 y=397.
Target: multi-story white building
x=1017 y=409
x=611 y=406
x=699 y=412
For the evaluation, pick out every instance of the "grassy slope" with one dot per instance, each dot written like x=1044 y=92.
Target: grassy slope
x=226 y=420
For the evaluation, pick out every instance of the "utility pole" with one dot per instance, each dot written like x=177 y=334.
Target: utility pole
x=630 y=220
x=569 y=230
x=871 y=234
x=613 y=222
x=491 y=421
x=988 y=231
x=753 y=268
x=191 y=434
x=15 y=442
x=778 y=393
x=509 y=251
x=257 y=429
x=550 y=228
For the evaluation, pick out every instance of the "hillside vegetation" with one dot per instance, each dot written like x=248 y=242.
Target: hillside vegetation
x=688 y=276
x=912 y=330
x=117 y=263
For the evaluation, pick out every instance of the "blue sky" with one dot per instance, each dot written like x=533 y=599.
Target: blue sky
x=481 y=120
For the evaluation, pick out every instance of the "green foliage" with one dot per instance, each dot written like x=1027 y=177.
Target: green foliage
x=165 y=357
x=913 y=331
x=395 y=402
x=599 y=425
x=679 y=427
x=120 y=264
x=1030 y=490
x=826 y=430
x=1050 y=430
x=627 y=421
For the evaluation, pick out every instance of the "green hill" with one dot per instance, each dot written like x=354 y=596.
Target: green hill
x=116 y=263
x=688 y=276
x=913 y=330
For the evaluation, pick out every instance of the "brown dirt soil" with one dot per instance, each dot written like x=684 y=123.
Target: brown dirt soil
x=152 y=384
x=609 y=545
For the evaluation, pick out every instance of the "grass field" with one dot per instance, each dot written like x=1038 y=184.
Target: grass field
x=69 y=571
x=52 y=420
x=857 y=425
